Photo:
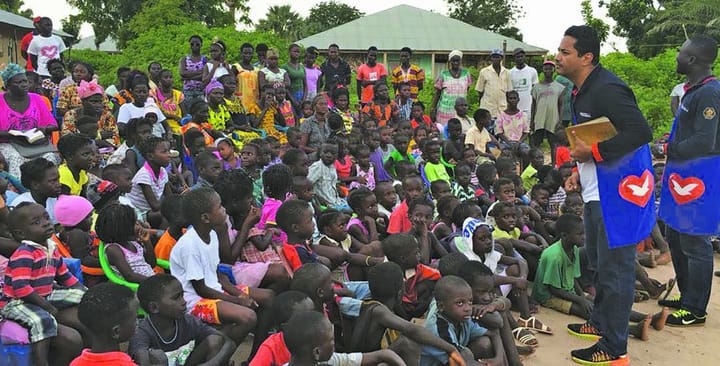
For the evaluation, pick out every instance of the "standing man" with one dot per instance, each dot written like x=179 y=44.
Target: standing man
x=492 y=84
x=617 y=187
x=368 y=74
x=691 y=183
x=25 y=43
x=261 y=49
x=408 y=73
x=566 y=115
x=45 y=47
x=546 y=109
x=523 y=78
x=335 y=71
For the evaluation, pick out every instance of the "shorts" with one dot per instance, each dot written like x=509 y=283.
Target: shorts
x=207 y=309
x=558 y=304
x=40 y=324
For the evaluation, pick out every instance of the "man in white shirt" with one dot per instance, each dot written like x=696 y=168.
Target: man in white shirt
x=523 y=77
x=45 y=47
x=492 y=84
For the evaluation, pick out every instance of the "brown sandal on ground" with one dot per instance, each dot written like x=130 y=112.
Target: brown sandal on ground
x=535 y=324
x=525 y=337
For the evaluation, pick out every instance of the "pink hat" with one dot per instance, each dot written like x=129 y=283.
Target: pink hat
x=86 y=89
x=71 y=210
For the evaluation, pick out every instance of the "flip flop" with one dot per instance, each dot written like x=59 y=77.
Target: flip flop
x=532 y=323
x=526 y=338
x=641 y=295
x=668 y=288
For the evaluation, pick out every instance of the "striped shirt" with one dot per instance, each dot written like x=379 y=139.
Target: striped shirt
x=414 y=76
x=31 y=270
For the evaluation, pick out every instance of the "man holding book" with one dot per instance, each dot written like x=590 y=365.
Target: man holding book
x=617 y=187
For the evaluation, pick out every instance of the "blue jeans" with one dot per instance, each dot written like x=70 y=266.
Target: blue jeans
x=692 y=257
x=614 y=281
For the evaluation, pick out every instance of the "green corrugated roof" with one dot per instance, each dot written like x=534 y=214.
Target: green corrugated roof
x=22 y=22
x=88 y=43
x=419 y=29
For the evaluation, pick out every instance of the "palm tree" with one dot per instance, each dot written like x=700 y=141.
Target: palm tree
x=283 y=22
x=689 y=17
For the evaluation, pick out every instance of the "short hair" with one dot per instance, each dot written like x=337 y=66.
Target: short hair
x=204 y=159
x=505 y=163
x=450 y=264
x=548 y=171
x=137 y=78
x=385 y=280
x=197 y=202
x=289 y=213
x=312 y=49
x=196 y=37
x=372 y=48
x=429 y=143
x=120 y=70
x=463 y=164
x=261 y=47
x=116 y=223
x=454 y=122
x=56 y=61
x=111 y=172
x=246 y=45
x=707 y=48
x=277 y=181
x=421 y=201
x=406 y=49
x=509 y=92
x=437 y=184
x=500 y=207
x=233 y=185
x=293 y=45
x=419 y=104
x=445 y=202
x=171 y=208
x=69 y=144
x=81 y=121
x=191 y=135
x=335 y=121
x=485 y=168
x=134 y=123
x=398 y=136
x=462 y=211
x=328 y=217
x=154 y=63
x=411 y=177
x=195 y=106
x=446 y=285
x=333 y=45
x=282 y=306
x=471 y=270
x=586 y=41
x=149 y=146
x=16 y=215
x=304 y=332
x=481 y=113
x=87 y=66
x=308 y=278
x=34 y=170
x=104 y=306
x=151 y=288
x=537 y=188
x=396 y=245
x=357 y=196
x=338 y=92
x=567 y=223
x=501 y=182
x=292 y=156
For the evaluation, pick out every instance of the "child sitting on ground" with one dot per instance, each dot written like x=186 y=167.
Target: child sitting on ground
x=75 y=214
x=194 y=262
x=378 y=327
x=434 y=169
x=530 y=174
x=364 y=226
x=171 y=209
x=117 y=227
x=309 y=337
x=324 y=177
x=363 y=168
x=227 y=151
x=453 y=324
x=108 y=311
x=29 y=293
x=136 y=131
x=420 y=212
x=387 y=199
x=400 y=141
x=443 y=226
x=78 y=154
x=209 y=167
x=150 y=182
x=479 y=137
x=161 y=296
x=121 y=176
x=413 y=188
x=461 y=188
x=295 y=219
x=420 y=279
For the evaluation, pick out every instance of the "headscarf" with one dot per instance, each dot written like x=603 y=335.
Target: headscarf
x=272 y=51
x=11 y=71
x=212 y=85
x=464 y=245
x=71 y=210
x=87 y=89
x=454 y=53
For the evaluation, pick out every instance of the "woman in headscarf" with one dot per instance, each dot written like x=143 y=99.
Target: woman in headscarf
x=93 y=104
x=220 y=115
x=69 y=98
x=23 y=112
x=451 y=84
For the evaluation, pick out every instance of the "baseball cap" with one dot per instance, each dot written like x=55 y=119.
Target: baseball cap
x=496 y=51
x=548 y=62
x=518 y=50
x=36 y=20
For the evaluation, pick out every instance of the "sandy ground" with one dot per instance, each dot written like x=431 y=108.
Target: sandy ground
x=671 y=346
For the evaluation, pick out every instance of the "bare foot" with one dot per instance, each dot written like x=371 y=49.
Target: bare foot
x=658 y=320
x=656 y=291
x=648 y=260
x=525 y=350
x=640 y=330
x=663 y=259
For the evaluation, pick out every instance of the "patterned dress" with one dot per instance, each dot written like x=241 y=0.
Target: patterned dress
x=453 y=88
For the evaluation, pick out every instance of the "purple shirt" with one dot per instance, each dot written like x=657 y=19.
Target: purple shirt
x=377 y=159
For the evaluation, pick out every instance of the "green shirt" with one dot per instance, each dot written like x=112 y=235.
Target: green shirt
x=297 y=76
x=435 y=172
x=556 y=270
x=529 y=178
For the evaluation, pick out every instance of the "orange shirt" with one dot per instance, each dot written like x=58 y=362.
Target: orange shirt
x=374 y=73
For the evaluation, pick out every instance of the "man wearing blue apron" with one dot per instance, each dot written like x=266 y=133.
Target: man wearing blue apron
x=690 y=193
x=616 y=176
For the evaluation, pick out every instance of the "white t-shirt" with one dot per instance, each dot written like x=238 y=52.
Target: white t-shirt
x=129 y=111
x=27 y=197
x=193 y=259
x=678 y=91
x=522 y=81
x=589 y=181
x=46 y=49
x=219 y=71
x=146 y=176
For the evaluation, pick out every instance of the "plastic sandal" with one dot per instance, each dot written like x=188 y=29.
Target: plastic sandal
x=527 y=338
x=532 y=323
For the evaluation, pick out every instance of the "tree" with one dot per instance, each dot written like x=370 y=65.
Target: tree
x=602 y=28
x=282 y=21
x=497 y=16
x=107 y=17
x=71 y=25
x=330 y=14
x=688 y=17
x=633 y=21
x=14 y=6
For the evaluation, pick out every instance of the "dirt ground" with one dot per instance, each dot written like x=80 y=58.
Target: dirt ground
x=669 y=347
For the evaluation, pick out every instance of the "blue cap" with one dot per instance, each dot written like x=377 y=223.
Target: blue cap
x=496 y=51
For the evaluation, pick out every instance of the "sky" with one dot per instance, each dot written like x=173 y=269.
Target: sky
x=542 y=25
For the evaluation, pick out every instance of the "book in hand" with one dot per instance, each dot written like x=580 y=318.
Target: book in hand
x=594 y=131
x=32 y=135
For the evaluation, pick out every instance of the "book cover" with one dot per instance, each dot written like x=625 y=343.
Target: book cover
x=594 y=131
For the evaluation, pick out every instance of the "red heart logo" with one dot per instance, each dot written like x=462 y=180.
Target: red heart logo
x=49 y=51
x=637 y=190
x=685 y=190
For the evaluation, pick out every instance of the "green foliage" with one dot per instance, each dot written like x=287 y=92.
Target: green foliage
x=71 y=25
x=602 y=28
x=14 y=6
x=497 y=16
x=107 y=17
x=283 y=22
x=330 y=14
x=167 y=45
